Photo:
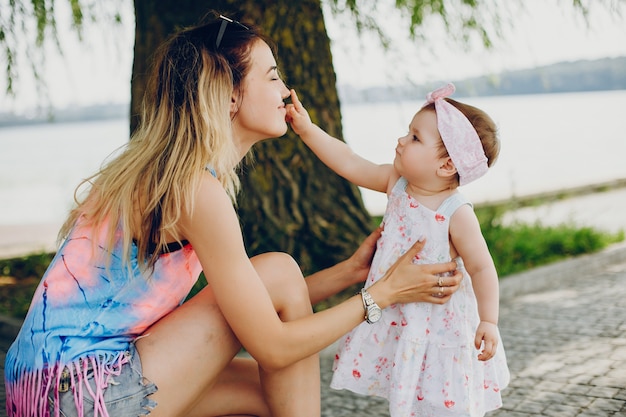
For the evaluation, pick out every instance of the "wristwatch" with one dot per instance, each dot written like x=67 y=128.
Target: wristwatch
x=373 y=313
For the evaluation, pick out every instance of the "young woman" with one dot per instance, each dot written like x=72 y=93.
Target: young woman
x=107 y=332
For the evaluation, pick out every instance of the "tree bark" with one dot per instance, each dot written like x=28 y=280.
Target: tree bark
x=290 y=201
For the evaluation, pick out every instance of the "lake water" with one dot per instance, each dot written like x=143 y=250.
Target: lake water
x=549 y=142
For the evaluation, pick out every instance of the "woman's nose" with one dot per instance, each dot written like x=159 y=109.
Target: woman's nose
x=285 y=93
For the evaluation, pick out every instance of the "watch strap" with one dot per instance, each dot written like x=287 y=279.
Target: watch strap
x=367 y=298
x=370 y=307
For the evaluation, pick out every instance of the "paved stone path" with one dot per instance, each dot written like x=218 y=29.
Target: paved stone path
x=564 y=331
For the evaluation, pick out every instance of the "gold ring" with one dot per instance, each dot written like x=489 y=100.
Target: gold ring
x=440 y=281
x=440 y=291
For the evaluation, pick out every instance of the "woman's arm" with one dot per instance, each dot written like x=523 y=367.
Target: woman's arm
x=336 y=154
x=213 y=230
x=352 y=271
x=470 y=244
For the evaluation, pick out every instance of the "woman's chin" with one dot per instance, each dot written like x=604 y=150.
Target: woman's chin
x=281 y=131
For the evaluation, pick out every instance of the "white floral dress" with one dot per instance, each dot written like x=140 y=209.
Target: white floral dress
x=421 y=356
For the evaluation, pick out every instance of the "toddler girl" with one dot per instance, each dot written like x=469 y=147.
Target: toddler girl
x=426 y=359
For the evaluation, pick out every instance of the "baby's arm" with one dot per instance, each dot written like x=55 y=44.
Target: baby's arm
x=470 y=244
x=336 y=154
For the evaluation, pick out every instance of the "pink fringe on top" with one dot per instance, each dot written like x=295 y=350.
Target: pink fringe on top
x=28 y=395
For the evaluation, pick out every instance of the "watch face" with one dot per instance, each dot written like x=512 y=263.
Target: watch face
x=374 y=314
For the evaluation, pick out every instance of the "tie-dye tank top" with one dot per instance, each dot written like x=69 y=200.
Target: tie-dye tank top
x=85 y=313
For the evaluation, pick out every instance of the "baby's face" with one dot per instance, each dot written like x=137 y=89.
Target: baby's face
x=419 y=152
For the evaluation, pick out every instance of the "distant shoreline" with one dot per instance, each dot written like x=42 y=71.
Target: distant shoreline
x=91 y=113
x=605 y=74
x=555 y=195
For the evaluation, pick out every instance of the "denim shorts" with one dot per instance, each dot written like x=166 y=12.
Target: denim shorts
x=125 y=397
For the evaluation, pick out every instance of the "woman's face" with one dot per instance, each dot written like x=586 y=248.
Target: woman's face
x=260 y=111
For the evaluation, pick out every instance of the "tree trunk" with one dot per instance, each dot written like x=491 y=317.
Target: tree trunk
x=290 y=201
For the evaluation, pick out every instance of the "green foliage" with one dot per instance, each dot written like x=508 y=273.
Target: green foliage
x=461 y=18
x=26 y=266
x=37 y=19
x=18 y=279
x=199 y=285
x=519 y=246
x=25 y=19
x=26 y=26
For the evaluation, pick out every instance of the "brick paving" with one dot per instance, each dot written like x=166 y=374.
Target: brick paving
x=564 y=330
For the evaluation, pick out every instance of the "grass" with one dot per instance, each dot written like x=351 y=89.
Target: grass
x=18 y=279
x=514 y=247
x=520 y=246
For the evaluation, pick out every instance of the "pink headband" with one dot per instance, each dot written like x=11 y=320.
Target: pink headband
x=458 y=136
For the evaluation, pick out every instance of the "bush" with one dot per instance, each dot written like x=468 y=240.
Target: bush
x=520 y=246
x=20 y=277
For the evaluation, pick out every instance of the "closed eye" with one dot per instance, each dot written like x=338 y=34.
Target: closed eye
x=276 y=74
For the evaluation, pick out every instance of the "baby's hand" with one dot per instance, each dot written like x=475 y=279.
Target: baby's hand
x=487 y=337
x=297 y=116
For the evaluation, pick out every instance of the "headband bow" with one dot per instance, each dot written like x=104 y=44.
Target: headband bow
x=458 y=136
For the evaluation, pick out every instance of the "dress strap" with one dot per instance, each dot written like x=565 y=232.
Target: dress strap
x=211 y=170
x=400 y=185
x=452 y=203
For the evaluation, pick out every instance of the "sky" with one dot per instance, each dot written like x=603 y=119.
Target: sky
x=542 y=32
x=98 y=69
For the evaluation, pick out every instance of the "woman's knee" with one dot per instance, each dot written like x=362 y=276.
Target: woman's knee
x=285 y=283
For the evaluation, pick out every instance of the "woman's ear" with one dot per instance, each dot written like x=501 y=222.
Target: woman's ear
x=234 y=103
x=446 y=168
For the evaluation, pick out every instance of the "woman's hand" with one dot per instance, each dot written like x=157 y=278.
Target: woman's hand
x=353 y=270
x=361 y=259
x=406 y=282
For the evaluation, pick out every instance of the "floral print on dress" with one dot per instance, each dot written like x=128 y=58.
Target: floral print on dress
x=421 y=356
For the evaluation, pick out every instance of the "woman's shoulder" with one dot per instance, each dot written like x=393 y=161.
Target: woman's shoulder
x=210 y=204
x=209 y=183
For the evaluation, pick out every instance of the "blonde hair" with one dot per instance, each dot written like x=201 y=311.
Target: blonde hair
x=185 y=129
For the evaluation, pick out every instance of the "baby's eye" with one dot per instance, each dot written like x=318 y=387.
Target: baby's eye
x=415 y=138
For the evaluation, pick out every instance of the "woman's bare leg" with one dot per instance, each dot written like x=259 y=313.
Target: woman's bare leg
x=189 y=356
x=295 y=390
